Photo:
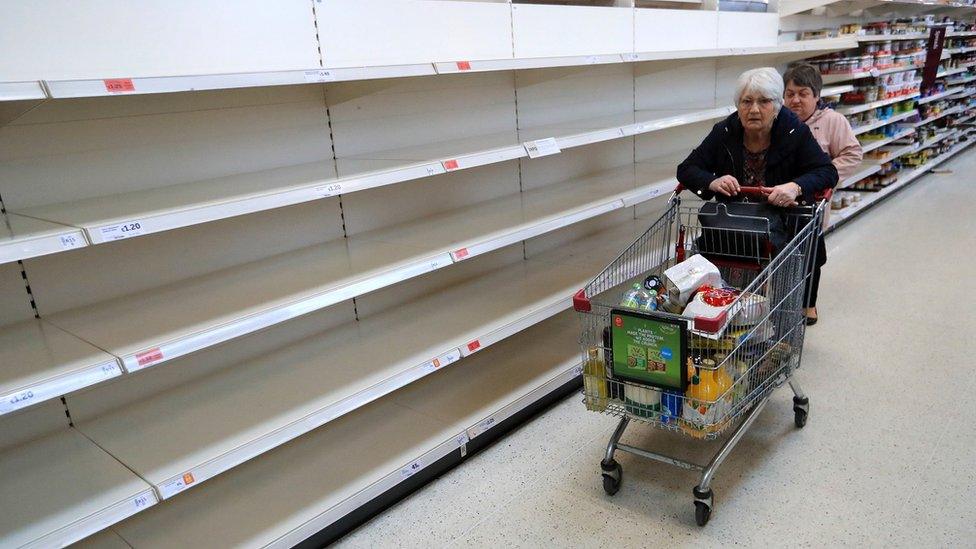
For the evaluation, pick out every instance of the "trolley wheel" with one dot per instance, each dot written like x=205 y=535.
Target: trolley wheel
x=612 y=475
x=702 y=513
x=703 y=505
x=801 y=409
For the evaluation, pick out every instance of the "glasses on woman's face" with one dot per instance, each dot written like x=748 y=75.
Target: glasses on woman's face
x=748 y=103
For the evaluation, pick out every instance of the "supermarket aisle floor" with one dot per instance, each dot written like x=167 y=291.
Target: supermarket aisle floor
x=886 y=458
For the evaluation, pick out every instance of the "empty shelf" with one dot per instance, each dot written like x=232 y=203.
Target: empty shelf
x=151 y=327
x=287 y=495
x=41 y=362
x=136 y=213
x=157 y=325
x=25 y=237
x=280 y=499
x=127 y=215
x=192 y=433
x=61 y=488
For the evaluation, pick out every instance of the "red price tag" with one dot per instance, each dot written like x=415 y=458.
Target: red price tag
x=474 y=345
x=150 y=356
x=119 y=85
x=464 y=65
x=450 y=165
x=461 y=254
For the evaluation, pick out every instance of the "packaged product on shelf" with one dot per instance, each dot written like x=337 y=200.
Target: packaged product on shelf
x=686 y=277
x=595 y=389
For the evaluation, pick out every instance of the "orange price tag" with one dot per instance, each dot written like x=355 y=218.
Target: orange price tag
x=119 y=85
x=188 y=479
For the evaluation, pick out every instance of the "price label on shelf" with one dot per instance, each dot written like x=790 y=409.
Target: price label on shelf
x=320 y=75
x=474 y=346
x=481 y=427
x=119 y=85
x=542 y=147
x=464 y=65
x=149 y=357
x=461 y=254
x=411 y=470
x=122 y=231
x=142 y=502
x=331 y=189
x=578 y=370
x=450 y=165
x=69 y=241
x=875 y=72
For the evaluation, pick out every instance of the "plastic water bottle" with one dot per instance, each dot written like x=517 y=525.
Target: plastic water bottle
x=635 y=298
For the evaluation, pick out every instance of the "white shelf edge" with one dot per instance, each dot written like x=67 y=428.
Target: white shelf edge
x=854 y=109
x=97 y=522
x=942 y=114
x=21 y=91
x=836 y=90
x=882 y=123
x=29 y=246
x=99 y=87
x=168 y=350
x=882 y=142
x=41 y=391
x=887 y=37
x=957 y=70
x=870 y=170
x=833 y=78
x=940 y=95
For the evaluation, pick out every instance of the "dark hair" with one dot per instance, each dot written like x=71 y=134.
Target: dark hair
x=804 y=75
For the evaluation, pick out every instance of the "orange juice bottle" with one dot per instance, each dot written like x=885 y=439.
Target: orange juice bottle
x=706 y=401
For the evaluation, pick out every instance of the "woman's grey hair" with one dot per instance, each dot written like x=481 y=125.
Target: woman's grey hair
x=764 y=81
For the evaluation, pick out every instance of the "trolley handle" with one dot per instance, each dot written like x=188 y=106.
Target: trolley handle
x=756 y=192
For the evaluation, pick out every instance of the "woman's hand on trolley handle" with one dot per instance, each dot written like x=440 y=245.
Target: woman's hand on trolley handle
x=726 y=184
x=785 y=195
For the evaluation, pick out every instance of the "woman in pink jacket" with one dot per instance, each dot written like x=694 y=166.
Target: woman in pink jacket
x=833 y=132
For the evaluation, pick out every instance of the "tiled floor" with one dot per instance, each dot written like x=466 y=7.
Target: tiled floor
x=887 y=458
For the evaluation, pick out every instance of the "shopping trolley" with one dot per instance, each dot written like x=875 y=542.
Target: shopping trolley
x=729 y=363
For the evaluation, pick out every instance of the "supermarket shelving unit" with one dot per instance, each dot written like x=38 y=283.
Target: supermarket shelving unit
x=278 y=284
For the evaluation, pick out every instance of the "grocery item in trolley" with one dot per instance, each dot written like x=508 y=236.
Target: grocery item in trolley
x=686 y=277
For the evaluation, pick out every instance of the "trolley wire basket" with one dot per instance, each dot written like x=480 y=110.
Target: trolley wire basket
x=735 y=351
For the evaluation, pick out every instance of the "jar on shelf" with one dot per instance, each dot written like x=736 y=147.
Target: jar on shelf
x=884 y=60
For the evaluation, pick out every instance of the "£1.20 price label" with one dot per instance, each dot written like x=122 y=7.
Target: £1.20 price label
x=122 y=231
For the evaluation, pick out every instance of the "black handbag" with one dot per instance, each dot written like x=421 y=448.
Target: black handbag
x=752 y=231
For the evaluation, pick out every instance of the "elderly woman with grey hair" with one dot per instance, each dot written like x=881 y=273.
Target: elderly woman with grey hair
x=763 y=144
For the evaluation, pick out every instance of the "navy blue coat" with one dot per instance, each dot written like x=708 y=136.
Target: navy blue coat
x=793 y=155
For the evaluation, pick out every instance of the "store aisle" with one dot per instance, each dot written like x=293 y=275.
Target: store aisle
x=886 y=458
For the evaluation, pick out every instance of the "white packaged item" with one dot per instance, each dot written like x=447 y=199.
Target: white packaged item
x=752 y=309
x=689 y=275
